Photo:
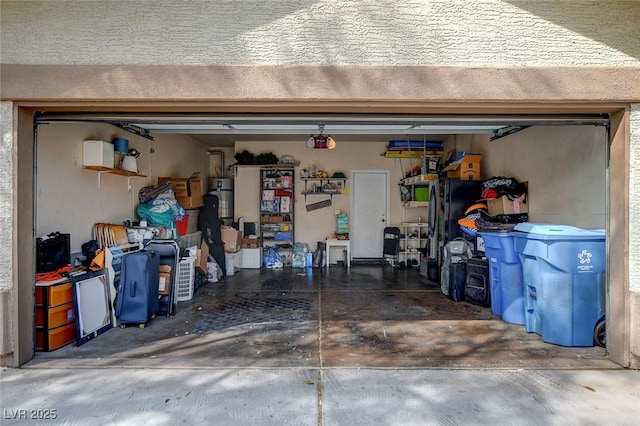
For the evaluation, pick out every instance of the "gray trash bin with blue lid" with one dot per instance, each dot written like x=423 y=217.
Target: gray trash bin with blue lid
x=563 y=270
x=505 y=274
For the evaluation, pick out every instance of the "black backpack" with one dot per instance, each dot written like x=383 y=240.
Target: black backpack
x=454 y=267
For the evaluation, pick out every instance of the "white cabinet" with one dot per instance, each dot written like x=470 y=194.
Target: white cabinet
x=413 y=237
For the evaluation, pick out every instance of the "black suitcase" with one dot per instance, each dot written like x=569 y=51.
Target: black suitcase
x=137 y=294
x=169 y=254
x=477 y=290
x=457 y=279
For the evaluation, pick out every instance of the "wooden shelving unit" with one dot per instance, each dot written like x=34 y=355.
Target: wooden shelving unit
x=102 y=170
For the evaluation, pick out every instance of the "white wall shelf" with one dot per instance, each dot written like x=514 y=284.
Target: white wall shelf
x=413 y=236
x=321 y=182
x=102 y=170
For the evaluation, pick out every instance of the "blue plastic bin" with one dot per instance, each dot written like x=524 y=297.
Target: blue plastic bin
x=505 y=275
x=563 y=274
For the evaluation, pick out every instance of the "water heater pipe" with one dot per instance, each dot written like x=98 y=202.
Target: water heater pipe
x=222 y=169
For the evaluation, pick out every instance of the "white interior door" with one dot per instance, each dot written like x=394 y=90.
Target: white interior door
x=369 y=212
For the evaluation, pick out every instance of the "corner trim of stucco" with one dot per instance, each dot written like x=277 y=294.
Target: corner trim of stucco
x=8 y=232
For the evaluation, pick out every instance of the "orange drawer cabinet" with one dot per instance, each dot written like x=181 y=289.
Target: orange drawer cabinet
x=54 y=294
x=50 y=340
x=54 y=315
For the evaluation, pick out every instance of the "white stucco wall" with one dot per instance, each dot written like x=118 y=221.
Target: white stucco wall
x=634 y=200
x=467 y=33
x=6 y=192
x=6 y=227
x=326 y=32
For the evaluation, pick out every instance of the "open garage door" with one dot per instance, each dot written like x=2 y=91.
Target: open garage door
x=227 y=130
x=384 y=127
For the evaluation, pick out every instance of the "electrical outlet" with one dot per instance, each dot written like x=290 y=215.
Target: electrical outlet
x=336 y=212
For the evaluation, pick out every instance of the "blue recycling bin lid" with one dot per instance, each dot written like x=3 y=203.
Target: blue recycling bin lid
x=550 y=231
x=497 y=229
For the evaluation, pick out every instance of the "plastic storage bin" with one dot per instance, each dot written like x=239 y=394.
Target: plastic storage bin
x=563 y=274
x=251 y=258
x=190 y=240
x=505 y=275
x=182 y=225
x=186 y=279
x=232 y=262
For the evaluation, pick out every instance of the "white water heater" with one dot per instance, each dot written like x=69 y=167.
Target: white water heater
x=223 y=188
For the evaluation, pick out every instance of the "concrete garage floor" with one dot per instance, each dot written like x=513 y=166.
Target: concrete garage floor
x=362 y=317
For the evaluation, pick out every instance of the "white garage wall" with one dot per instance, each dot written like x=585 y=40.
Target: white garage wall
x=7 y=229
x=566 y=174
x=370 y=32
x=68 y=199
x=564 y=165
x=316 y=225
x=634 y=211
x=6 y=191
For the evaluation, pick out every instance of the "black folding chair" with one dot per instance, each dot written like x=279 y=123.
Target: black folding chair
x=391 y=245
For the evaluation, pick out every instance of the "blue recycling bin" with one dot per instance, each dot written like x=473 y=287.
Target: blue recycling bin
x=505 y=275
x=563 y=275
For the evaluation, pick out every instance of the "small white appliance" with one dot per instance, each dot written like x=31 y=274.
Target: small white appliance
x=129 y=164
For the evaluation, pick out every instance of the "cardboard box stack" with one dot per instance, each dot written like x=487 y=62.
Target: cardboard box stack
x=189 y=192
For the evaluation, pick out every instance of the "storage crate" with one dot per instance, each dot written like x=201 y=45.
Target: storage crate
x=193 y=220
x=190 y=240
x=422 y=193
x=186 y=279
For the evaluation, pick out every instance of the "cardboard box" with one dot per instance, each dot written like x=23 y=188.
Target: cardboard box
x=188 y=191
x=249 y=243
x=164 y=285
x=505 y=205
x=202 y=255
x=195 y=185
x=467 y=168
x=232 y=240
x=190 y=202
x=180 y=187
